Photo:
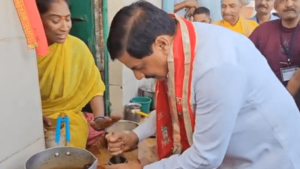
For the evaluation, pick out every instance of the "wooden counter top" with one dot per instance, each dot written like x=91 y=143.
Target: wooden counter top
x=146 y=152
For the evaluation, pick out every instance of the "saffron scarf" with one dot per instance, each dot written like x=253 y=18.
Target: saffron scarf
x=32 y=26
x=175 y=116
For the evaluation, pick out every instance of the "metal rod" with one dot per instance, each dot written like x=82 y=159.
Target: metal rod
x=118 y=159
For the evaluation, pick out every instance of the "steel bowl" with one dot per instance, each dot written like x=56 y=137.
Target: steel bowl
x=122 y=126
x=62 y=158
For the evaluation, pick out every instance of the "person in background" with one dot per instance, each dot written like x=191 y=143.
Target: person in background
x=213 y=5
x=202 y=14
x=218 y=103
x=232 y=20
x=279 y=41
x=68 y=76
x=185 y=8
x=263 y=11
x=215 y=8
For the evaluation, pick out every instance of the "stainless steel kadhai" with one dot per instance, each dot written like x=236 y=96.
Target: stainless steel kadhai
x=62 y=157
x=122 y=126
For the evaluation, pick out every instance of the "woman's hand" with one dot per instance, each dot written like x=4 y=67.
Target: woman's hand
x=47 y=122
x=100 y=122
x=103 y=123
x=51 y=123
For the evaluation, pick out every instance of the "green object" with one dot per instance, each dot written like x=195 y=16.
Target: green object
x=168 y=6
x=106 y=57
x=83 y=20
x=144 y=101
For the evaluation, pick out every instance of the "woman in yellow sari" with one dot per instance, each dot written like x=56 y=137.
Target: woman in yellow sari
x=68 y=76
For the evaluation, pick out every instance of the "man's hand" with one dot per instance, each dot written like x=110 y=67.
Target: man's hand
x=103 y=123
x=121 y=142
x=130 y=165
x=191 y=4
x=294 y=84
x=186 y=4
x=190 y=12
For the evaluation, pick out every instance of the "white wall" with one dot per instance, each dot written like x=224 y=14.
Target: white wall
x=123 y=85
x=21 y=130
x=130 y=84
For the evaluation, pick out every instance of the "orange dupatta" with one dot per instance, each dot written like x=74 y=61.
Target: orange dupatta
x=175 y=116
x=32 y=26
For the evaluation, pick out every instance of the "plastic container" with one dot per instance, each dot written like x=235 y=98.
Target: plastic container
x=146 y=92
x=144 y=101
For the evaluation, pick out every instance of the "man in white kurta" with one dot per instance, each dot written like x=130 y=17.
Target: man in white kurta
x=245 y=119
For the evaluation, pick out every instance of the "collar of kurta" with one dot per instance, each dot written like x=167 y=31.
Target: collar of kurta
x=272 y=17
x=227 y=24
x=242 y=26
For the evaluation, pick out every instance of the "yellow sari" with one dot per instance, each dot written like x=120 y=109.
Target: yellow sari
x=69 y=79
x=243 y=26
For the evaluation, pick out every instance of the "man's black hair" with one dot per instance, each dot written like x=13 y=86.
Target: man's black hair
x=135 y=28
x=44 y=5
x=202 y=10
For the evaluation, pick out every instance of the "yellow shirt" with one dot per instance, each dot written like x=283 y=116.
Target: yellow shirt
x=243 y=26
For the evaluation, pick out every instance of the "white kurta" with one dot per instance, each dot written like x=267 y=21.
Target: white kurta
x=245 y=118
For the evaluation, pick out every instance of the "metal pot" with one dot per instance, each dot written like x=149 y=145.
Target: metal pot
x=129 y=114
x=119 y=159
x=62 y=158
x=122 y=126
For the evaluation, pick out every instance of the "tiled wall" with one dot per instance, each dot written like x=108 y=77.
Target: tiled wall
x=123 y=85
x=21 y=128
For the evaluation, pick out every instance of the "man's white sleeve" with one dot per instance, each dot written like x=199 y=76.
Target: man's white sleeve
x=146 y=128
x=219 y=95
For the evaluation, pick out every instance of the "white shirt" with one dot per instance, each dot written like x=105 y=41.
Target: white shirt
x=272 y=17
x=245 y=118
